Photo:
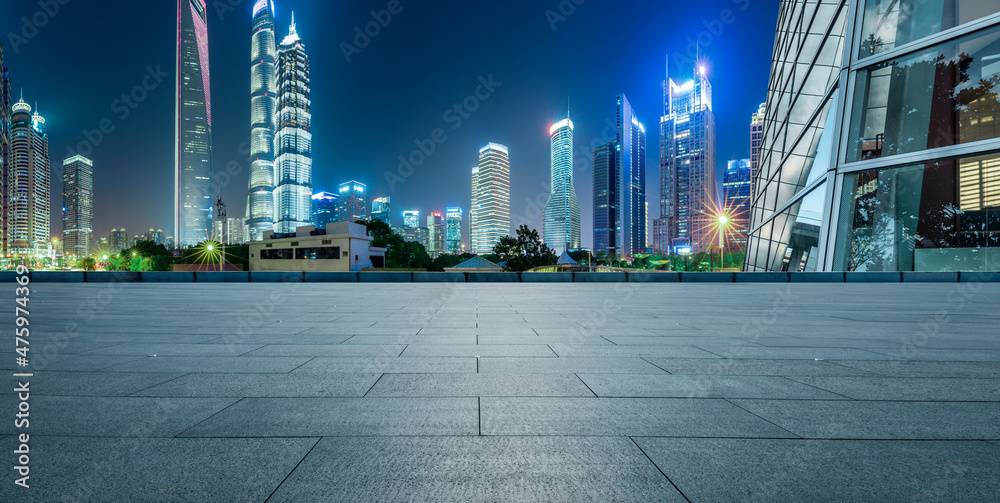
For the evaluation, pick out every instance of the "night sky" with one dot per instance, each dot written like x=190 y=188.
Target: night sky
x=369 y=111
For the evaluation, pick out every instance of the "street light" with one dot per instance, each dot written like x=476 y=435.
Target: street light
x=723 y=221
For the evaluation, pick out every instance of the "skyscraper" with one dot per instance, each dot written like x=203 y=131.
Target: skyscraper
x=293 y=138
x=236 y=231
x=412 y=231
x=561 y=220
x=630 y=225
x=491 y=197
x=78 y=206
x=193 y=126
x=473 y=209
x=5 y=152
x=605 y=198
x=453 y=218
x=263 y=96
x=325 y=209
x=29 y=181
x=381 y=210
x=688 y=207
x=756 y=136
x=435 y=234
x=353 y=201
x=736 y=197
x=119 y=239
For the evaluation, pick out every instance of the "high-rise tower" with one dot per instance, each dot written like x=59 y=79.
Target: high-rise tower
x=605 y=197
x=381 y=210
x=263 y=97
x=491 y=197
x=453 y=218
x=293 y=139
x=29 y=181
x=562 y=211
x=353 y=201
x=688 y=207
x=193 y=127
x=630 y=170
x=78 y=206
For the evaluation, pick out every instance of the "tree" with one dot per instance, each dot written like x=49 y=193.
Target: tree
x=399 y=254
x=87 y=264
x=527 y=251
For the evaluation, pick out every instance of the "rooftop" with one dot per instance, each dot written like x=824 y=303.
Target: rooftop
x=503 y=392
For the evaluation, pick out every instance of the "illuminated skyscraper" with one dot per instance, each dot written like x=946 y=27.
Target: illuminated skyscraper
x=562 y=212
x=453 y=220
x=736 y=201
x=29 y=181
x=435 y=234
x=756 y=136
x=688 y=207
x=119 y=240
x=381 y=210
x=491 y=197
x=78 y=206
x=620 y=187
x=325 y=209
x=353 y=201
x=605 y=197
x=193 y=127
x=473 y=209
x=293 y=138
x=263 y=98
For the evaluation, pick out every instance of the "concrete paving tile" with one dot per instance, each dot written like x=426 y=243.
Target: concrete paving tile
x=547 y=339
x=410 y=339
x=671 y=351
x=430 y=385
x=305 y=384
x=909 y=388
x=773 y=353
x=415 y=350
x=701 y=386
x=621 y=416
x=59 y=383
x=686 y=340
x=733 y=366
x=328 y=350
x=146 y=349
x=375 y=364
x=212 y=364
x=476 y=469
x=717 y=469
x=88 y=416
x=158 y=469
x=297 y=417
x=881 y=420
x=567 y=365
x=905 y=368
x=948 y=355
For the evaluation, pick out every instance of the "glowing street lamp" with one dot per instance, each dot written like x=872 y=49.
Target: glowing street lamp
x=723 y=222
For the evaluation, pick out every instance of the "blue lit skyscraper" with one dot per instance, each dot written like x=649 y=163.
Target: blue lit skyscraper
x=263 y=95
x=736 y=192
x=293 y=139
x=29 y=181
x=562 y=211
x=630 y=171
x=353 y=201
x=324 y=209
x=381 y=210
x=453 y=221
x=605 y=197
x=687 y=167
x=193 y=127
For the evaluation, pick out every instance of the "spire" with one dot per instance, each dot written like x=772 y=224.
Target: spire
x=291 y=30
x=567 y=107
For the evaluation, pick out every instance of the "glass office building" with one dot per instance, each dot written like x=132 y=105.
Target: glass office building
x=263 y=100
x=561 y=220
x=353 y=201
x=880 y=149
x=78 y=206
x=453 y=219
x=293 y=138
x=491 y=198
x=381 y=210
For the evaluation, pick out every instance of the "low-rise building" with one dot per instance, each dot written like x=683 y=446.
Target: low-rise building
x=341 y=247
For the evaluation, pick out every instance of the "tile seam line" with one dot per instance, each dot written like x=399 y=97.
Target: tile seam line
x=296 y=467
x=181 y=433
x=730 y=401
x=817 y=387
x=637 y=446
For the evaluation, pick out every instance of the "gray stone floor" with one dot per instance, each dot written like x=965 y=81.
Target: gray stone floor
x=521 y=392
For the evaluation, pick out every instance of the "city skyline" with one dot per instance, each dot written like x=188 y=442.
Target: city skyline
x=135 y=137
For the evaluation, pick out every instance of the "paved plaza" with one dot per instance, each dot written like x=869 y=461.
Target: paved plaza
x=509 y=392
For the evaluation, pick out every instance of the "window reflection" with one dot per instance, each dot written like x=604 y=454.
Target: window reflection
x=891 y=23
x=943 y=96
x=942 y=216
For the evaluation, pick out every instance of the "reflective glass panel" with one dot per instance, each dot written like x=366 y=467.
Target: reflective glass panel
x=891 y=23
